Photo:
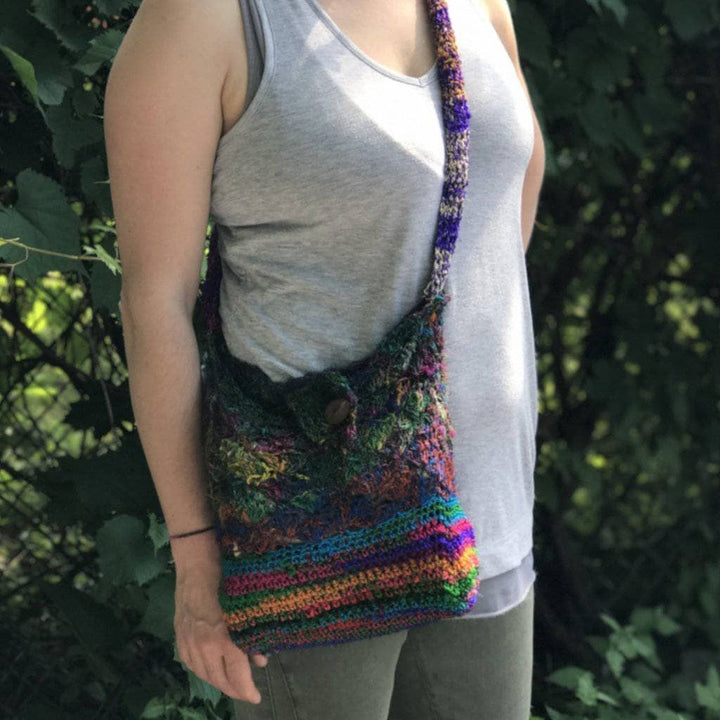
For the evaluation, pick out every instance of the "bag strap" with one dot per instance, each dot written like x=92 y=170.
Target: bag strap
x=456 y=119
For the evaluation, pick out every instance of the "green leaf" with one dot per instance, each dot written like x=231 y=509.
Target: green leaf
x=567 y=677
x=191 y=714
x=665 y=625
x=86 y=102
x=160 y=610
x=157 y=532
x=646 y=620
x=608 y=620
x=586 y=691
x=41 y=218
x=96 y=185
x=615 y=661
x=598 y=643
x=689 y=19
x=659 y=713
x=25 y=70
x=57 y=17
x=53 y=75
x=125 y=553
x=102 y=49
x=609 y=699
x=625 y=642
x=99 y=251
x=105 y=287
x=70 y=135
x=618 y=8
x=201 y=690
x=156 y=708
x=643 y=619
x=555 y=715
x=647 y=675
x=646 y=647
x=636 y=692
x=117 y=481
x=708 y=695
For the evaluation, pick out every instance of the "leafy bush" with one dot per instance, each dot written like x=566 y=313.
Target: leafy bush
x=633 y=681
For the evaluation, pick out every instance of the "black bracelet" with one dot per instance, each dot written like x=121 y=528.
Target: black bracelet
x=192 y=532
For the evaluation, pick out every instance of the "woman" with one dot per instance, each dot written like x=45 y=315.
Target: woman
x=309 y=130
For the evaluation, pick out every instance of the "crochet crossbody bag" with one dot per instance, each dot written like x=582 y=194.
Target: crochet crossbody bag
x=335 y=498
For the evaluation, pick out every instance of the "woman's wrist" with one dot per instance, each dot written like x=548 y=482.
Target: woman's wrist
x=177 y=536
x=198 y=553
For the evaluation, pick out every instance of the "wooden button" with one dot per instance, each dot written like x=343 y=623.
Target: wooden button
x=337 y=410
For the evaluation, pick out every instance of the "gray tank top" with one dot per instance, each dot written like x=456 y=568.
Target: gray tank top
x=326 y=194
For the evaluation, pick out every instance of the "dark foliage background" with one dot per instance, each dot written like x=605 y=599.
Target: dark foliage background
x=623 y=273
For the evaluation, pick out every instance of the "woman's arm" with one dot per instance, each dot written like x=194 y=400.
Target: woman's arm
x=163 y=119
x=502 y=21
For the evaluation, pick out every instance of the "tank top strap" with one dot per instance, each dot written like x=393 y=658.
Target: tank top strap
x=255 y=44
x=276 y=34
x=289 y=23
x=273 y=29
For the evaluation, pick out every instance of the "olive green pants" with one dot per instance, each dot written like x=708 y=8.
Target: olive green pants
x=452 y=669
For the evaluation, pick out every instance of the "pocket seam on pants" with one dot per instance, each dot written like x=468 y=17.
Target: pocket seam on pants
x=287 y=687
x=273 y=711
x=426 y=677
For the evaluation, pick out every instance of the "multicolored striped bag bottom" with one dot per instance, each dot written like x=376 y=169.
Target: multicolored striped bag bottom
x=410 y=570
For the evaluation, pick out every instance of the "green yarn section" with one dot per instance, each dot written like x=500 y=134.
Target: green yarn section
x=255 y=467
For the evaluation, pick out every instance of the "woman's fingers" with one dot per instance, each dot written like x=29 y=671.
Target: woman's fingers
x=227 y=667
x=238 y=672
x=260 y=660
x=204 y=656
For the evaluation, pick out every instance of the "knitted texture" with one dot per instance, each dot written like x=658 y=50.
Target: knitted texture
x=337 y=512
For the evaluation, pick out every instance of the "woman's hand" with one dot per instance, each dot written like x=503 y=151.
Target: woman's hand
x=203 y=640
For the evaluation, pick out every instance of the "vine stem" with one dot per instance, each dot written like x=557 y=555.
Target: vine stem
x=16 y=243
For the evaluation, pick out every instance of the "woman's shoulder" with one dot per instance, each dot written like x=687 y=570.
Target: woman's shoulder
x=196 y=21
x=202 y=39
x=198 y=33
